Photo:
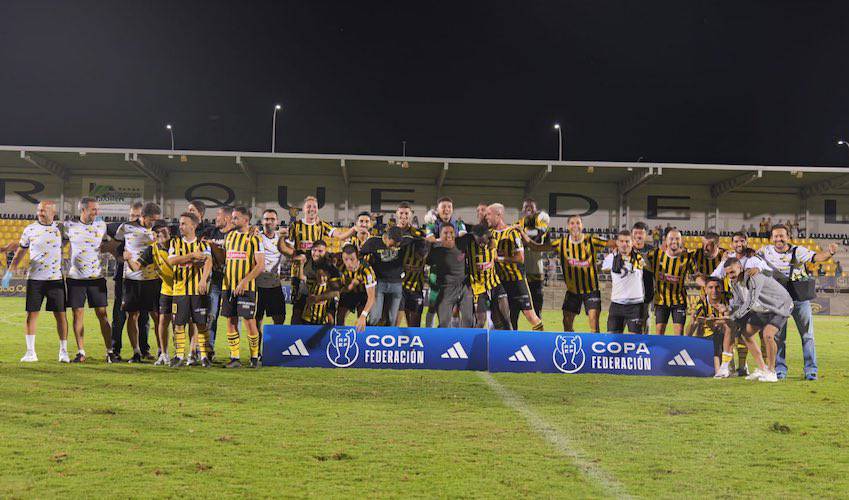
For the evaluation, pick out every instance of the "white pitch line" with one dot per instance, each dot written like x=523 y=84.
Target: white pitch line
x=559 y=441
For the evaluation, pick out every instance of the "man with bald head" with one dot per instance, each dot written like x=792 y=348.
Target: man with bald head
x=43 y=240
x=510 y=266
x=671 y=265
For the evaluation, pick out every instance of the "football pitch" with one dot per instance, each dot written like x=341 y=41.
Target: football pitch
x=139 y=431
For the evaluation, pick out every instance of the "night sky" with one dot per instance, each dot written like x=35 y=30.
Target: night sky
x=762 y=82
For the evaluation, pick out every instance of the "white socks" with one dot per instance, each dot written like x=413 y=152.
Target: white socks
x=30 y=343
x=81 y=351
x=63 y=345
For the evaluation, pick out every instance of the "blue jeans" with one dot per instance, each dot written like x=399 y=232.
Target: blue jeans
x=804 y=319
x=214 y=307
x=389 y=293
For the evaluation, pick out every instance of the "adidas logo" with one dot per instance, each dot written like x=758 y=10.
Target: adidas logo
x=523 y=354
x=297 y=349
x=456 y=351
x=682 y=359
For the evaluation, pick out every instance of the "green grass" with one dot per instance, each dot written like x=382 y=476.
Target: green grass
x=142 y=430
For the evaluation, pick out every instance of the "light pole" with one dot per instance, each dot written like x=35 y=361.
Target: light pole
x=559 y=141
x=277 y=108
x=171 y=131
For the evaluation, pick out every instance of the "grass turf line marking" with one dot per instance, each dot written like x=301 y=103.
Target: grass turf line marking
x=559 y=441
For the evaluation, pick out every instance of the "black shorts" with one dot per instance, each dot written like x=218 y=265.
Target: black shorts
x=625 y=315
x=53 y=290
x=572 y=302
x=81 y=290
x=483 y=301
x=191 y=309
x=299 y=300
x=662 y=313
x=141 y=295
x=518 y=294
x=270 y=302
x=717 y=339
x=413 y=301
x=760 y=320
x=242 y=306
x=167 y=304
x=353 y=301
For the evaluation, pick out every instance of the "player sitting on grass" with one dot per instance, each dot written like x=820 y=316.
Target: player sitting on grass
x=708 y=320
x=765 y=305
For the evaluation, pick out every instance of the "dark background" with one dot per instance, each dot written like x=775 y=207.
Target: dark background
x=762 y=82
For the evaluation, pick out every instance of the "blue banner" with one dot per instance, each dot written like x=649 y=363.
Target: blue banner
x=552 y=352
x=399 y=348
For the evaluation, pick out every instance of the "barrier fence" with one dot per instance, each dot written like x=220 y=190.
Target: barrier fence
x=485 y=350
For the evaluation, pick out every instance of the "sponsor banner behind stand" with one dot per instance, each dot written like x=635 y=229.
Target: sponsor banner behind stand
x=552 y=352
x=399 y=348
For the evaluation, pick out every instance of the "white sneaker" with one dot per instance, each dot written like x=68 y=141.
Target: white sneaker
x=29 y=357
x=160 y=360
x=723 y=372
x=769 y=377
x=63 y=357
x=756 y=375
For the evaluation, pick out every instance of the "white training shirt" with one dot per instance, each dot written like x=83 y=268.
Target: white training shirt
x=627 y=284
x=770 y=259
x=719 y=272
x=45 y=250
x=270 y=277
x=136 y=238
x=85 y=241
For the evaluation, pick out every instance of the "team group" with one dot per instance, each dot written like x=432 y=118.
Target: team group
x=485 y=274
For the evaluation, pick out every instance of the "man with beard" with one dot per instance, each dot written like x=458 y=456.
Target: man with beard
x=413 y=283
x=320 y=280
x=671 y=266
x=639 y=237
x=708 y=257
x=386 y=256
x=357 y=288
x=627 y=294
x=786 y=263
x=244 y=262
x=488 y=294
x=302 y=234
x=142 y=287
x=449 y=264
x=534 y=223
x=578 y=259
x=509 y=264
x=215 y=237
x=270 y=298
x=739 y=250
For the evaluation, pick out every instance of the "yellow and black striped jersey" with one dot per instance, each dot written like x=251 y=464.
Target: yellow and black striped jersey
x=508 y=242
x=704 y=309
x=158 y=257
x=187 y=276
x=364 y=275
x=414 y=263
x=670 y=274
x=578 y=261
x=480 y=264
x=318 y=279
x=302 y=235
x=704 y=264
x=241 y=249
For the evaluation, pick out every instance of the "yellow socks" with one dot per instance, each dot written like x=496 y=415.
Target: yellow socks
x=233 y=340
x=180 y=341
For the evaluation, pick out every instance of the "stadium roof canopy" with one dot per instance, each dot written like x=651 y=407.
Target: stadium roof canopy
x=157 y=164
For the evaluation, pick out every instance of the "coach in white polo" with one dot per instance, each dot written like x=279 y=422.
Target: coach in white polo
x=783 y=260
x=43 y=240
x=86 y=278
